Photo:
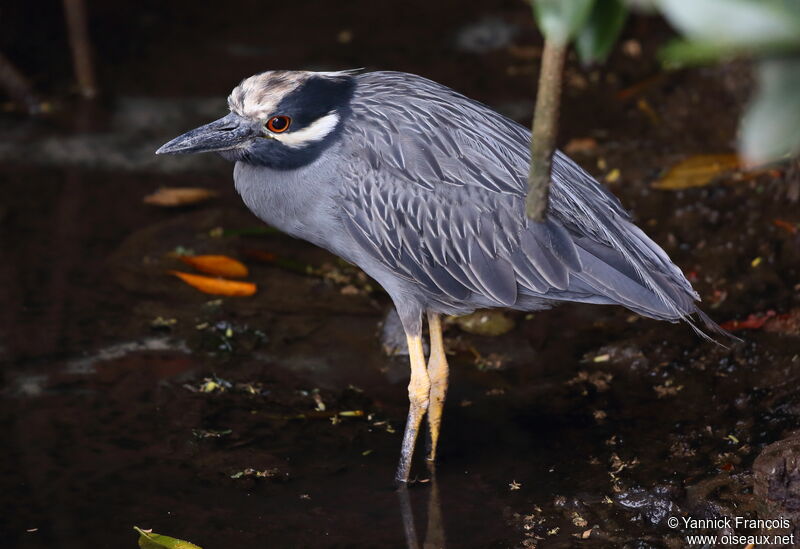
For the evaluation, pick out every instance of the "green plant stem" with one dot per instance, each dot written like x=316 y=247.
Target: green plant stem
x=543 y=135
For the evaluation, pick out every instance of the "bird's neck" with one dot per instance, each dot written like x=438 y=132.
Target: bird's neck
x=298 y=202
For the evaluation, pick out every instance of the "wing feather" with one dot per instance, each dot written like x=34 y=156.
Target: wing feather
x=435 y=189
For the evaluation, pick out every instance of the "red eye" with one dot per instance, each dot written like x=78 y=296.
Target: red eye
x=279 y=124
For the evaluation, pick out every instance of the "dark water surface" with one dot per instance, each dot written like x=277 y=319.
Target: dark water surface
x=582 y=422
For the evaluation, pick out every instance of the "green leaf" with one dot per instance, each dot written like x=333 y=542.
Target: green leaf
x=679 y=53
x=735 y=24
x=149 y=540
x=596 y=38
x=560 y=20
x=770 y=128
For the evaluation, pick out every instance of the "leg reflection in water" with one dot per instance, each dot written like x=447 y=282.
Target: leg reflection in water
x=434 y=534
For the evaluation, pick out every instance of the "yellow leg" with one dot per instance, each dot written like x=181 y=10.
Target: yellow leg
x=437 y=373
x=418 y=391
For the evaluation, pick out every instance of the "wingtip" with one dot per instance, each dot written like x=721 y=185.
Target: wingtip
x=713 y=327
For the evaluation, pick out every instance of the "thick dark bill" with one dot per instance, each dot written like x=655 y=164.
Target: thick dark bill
x=226 y=133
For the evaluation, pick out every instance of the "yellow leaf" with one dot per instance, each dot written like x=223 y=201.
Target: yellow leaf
x=149 y=540
x=220 y=265
x=170 y=197
x=697 y=171
x=613 y=175
x=216 y=286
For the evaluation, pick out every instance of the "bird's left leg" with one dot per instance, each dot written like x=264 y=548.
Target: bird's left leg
x=418 y=395
x=438 y=371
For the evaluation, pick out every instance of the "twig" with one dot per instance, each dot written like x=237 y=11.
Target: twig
x=544 y=129
x=75 y=11
x=18 y=87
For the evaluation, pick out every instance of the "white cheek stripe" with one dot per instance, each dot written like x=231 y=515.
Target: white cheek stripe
x=318 y=130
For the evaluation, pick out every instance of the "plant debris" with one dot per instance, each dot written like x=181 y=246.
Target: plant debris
x=150 y=540
x=697 y=171
x=211 y=433
x=249 y=472
x=752 y=322
x=217 y=286
x=218 y=265
x=787 y=226
x=492 y=322
x=173 y=197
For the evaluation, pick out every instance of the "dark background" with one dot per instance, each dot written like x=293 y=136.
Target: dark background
x=103 y=425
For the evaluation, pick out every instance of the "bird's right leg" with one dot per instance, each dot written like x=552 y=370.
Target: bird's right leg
x=418 y=396
x=437 y=373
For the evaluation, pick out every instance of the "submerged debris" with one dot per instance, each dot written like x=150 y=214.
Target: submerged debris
x=249 y=472
x=217 y=286
x=150 y=540
x=211 y=433
x=172 y=197
x=697 y=171
x=493 y=322
x=217 y=265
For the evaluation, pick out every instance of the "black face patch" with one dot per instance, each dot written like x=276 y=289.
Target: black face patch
x=315 y=98
x=274 y=154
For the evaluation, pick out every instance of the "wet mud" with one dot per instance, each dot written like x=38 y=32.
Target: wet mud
x=129 y=398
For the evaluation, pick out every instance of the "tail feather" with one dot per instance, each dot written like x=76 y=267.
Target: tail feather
x=621 y=264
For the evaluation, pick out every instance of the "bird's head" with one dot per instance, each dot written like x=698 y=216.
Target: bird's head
x=280 y=119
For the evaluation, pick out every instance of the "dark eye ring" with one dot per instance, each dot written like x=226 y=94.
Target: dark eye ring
x=279 y=124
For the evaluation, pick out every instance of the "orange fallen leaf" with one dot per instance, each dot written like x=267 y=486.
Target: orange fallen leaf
x=216 y=286
x=752 y=322
x=171 y=197
x=580 y=145
x=643 y=105
x=785 y=225
x=697 y=171
x=220 y=265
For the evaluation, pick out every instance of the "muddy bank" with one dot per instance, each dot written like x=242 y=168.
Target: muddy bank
x=131 y=399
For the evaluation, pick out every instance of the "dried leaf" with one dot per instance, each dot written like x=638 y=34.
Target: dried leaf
x=171 y=197
x=752 y=322
x=791 y=228
x=697 y=171
x=216 y=286
x=613 y=176
x=787 y=324
x=220 y=265
x=149 y=540
x=580 y=145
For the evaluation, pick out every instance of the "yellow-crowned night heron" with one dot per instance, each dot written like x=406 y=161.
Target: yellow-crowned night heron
x=424 y=189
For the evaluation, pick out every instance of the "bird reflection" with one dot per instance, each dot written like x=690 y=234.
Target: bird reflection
x=434 y=532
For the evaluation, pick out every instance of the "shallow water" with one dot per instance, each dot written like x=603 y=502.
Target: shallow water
x=105 y=427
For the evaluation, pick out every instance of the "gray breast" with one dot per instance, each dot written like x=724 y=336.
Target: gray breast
x=301 y=202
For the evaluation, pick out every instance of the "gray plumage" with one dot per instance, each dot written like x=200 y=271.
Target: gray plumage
x=424 y=189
